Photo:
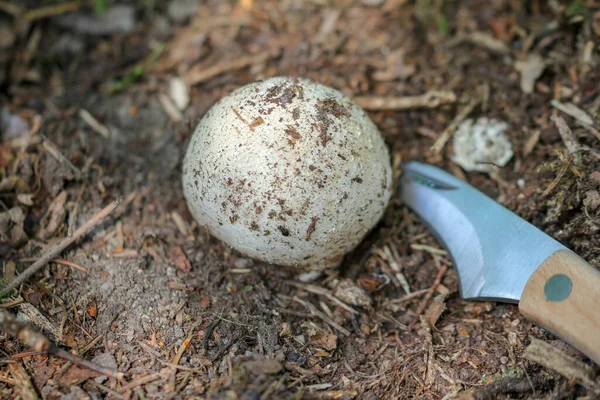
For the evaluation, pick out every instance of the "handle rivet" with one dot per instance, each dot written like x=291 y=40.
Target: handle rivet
x=558 y=287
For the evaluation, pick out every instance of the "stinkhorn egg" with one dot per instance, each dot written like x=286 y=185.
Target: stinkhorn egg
x=288 y=171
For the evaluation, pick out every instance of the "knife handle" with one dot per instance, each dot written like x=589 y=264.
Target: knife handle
x=563 y=296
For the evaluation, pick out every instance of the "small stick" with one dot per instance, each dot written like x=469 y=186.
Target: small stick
x=25 y=354
x=185 y=343
x=226 y=346
x=322 y=291
x=12 y=9
x=559 y=361
x=49 y=11
x=12 y=303
x=559 y=176
x=41 y=344
x=94 y=123
x=24 y=389
x=140 y=381
x=439 y=144
x=431 y=99
x=82 y=362
x=63 y=244
x=408 y=296
x=324 y=317
x=199 y=74
x=54 y=152
x=429 y=249
x=207 y=334
x=107 y=389
x=58 y=261
x=425 y=299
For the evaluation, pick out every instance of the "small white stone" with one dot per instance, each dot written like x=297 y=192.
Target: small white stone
x=309 y=276
x=481 y=145
x=179 y=93
x=521 y=182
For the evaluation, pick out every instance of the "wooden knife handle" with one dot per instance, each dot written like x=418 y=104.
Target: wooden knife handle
x=563 y=296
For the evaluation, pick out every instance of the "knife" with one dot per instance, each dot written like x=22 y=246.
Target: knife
x=501 y=257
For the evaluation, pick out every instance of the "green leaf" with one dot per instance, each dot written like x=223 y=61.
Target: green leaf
x=99 y=6
x=137 y=72
x=576 y=8
x=442 y=24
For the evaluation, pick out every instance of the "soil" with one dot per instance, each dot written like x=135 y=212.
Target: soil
x=89 y=116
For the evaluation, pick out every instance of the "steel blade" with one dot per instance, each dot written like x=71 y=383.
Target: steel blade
x=494 y=250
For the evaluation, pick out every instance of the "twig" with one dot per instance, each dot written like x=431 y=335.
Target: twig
x=294 y=313
x=12 y=303
x=487 y=41
x=319 y=314
x=226 y=346
x=63 y=244
x=592 y=130
x=431 y=99
x=385 y=255
x=185 y=343
x=207 y=334
x=408 y=297
x=108 y=390
x=12 y=9
x=199 y=74
x=82 y=362
x=24 y=389
x=49 y=11
x=447 y=133
x=141 y=381
x=551 y=357
x=170 y=108
x=25 y=354
x=8 y=381
x=429 y=249
x=59 y=261
x=322 y=291
x=566 y=134
x=495 y=389
x=54 y=152
x=423 y=303
x=39 y=343
x=94 y=123
x=559 y=176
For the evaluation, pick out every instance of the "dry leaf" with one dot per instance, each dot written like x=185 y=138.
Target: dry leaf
x=204 y=301
x=328 y=342
x=435 y=309
x=321 y=354
x=531 y=142
x=531 y=69
x=11 y=227
x=55 y=216
x=76 y=375
x=25 y=199
x=9 y=271
x=178 y=257
x=349 y=292
x=574 y=111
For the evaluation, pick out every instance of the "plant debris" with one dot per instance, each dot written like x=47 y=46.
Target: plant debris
x=99 y=104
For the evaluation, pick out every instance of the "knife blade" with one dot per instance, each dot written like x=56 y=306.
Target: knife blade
x=501 y=257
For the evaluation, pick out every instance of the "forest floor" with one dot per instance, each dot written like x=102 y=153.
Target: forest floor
x=90 y=114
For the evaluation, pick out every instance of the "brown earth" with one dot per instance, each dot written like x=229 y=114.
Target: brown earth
x=151 y=294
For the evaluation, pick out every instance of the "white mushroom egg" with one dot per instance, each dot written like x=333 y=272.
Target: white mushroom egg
x=288 y=171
